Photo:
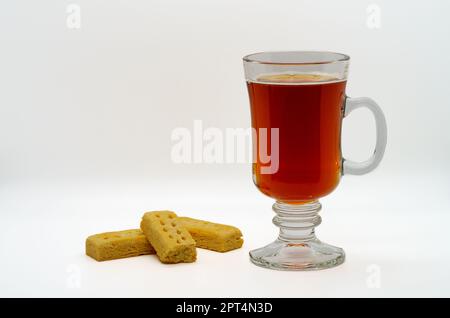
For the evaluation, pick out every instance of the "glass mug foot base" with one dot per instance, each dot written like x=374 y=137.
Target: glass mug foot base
x=297 y=247
x=298 y=256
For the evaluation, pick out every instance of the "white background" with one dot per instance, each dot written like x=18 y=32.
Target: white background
x=86 y=117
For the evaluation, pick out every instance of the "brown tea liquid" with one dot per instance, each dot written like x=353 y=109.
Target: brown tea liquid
x=308 y=110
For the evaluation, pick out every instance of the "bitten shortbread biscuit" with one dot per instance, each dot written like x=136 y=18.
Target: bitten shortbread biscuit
x=213 y=236
x=121 y=244
x=171 y=241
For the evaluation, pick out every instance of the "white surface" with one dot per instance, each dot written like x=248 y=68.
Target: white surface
x=404 y=235
x=86 y=117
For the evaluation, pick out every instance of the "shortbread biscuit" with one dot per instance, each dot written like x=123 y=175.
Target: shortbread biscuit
x=213 y=236
x=121 y=244
x=171 y=241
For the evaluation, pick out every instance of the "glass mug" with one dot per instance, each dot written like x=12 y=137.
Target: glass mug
x=298 y=100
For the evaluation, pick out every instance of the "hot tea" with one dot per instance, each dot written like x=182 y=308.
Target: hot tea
x=307 y=109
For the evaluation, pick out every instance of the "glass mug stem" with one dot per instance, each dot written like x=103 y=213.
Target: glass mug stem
x=297 y=222
x=297 y=247
x=302 y=95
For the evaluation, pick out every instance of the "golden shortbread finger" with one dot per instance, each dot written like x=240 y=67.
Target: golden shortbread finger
x=171 y=241
x=213 y=236
x=120 y=244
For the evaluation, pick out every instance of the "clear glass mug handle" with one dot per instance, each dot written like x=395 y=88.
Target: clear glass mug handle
x=358 y=168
